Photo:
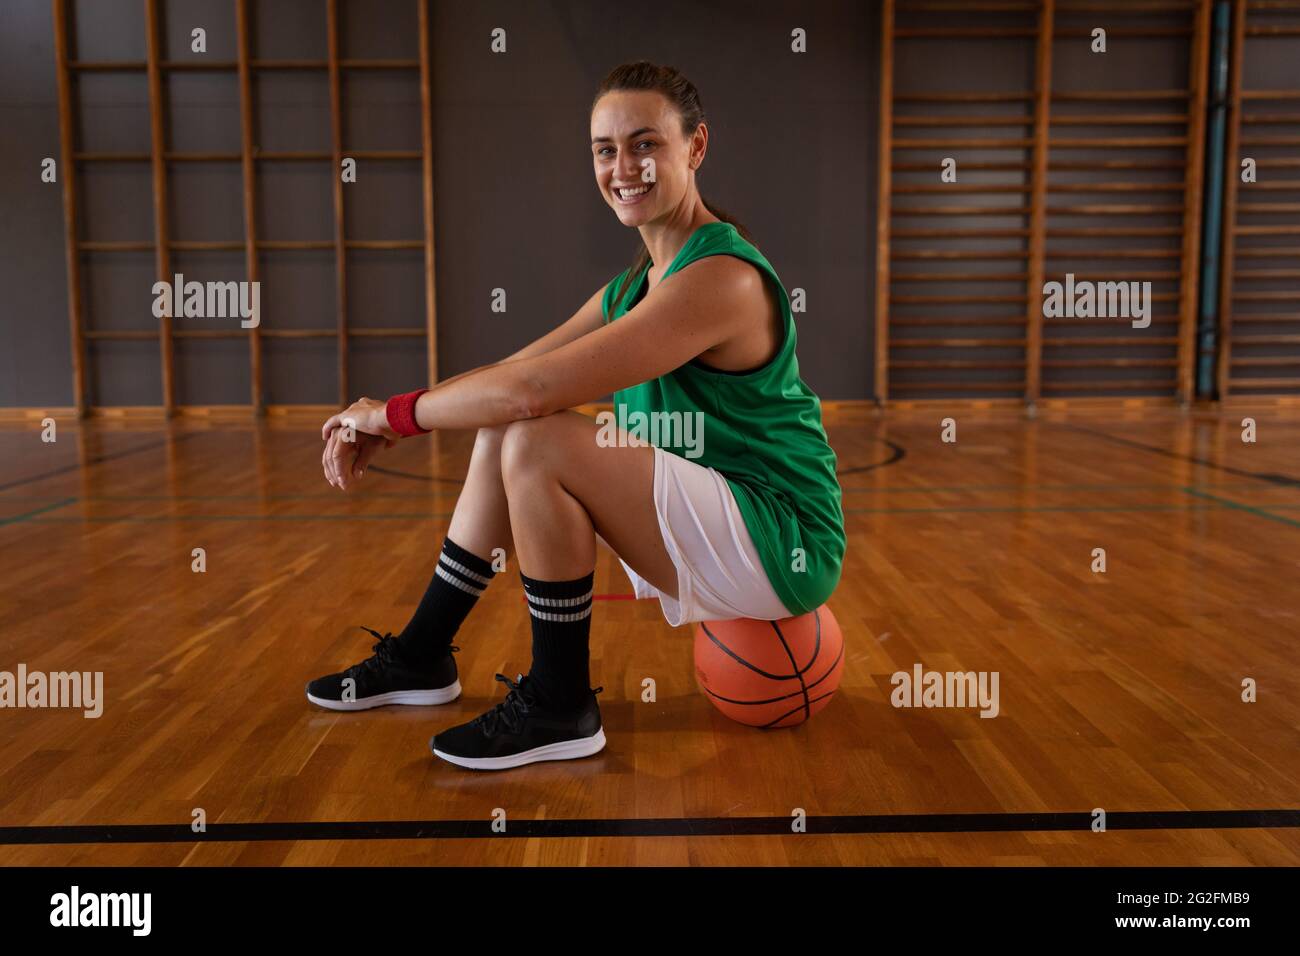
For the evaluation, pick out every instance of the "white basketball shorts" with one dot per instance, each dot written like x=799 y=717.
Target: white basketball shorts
x=720 y=576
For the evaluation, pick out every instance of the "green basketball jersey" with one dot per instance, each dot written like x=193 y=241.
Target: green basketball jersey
x=761 y=429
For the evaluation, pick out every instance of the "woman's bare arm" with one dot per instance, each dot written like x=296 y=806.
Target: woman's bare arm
x=690 y=312
x=588 y=318
x=344 y=462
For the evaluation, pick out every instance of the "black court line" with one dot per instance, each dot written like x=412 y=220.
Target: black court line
x=651 y=827
x=1276 y=479
x=896 y=454
x=97 y=460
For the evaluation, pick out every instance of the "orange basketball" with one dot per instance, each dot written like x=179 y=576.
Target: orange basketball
x=770 y=673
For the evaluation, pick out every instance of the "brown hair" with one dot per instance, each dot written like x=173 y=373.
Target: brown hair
x=685 y=98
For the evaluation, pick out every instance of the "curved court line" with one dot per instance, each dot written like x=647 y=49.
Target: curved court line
x=1273 y=478
x=896 y=454
x=651 y=827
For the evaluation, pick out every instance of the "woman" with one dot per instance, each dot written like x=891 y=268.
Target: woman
x=733 y=511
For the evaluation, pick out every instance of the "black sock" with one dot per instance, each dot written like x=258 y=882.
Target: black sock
x=561 y=616
x=452 y=593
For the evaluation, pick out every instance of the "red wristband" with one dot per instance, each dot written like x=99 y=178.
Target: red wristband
x=400 y=410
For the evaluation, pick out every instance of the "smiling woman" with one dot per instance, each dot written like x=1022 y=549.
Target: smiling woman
x=678 y=106
x=739 y=519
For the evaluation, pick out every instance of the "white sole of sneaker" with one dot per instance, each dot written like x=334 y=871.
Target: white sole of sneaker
x=564 y=750
x=417 y=698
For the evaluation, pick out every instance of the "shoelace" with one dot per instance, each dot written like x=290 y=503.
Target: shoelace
x=511 y=711
x=385 y=653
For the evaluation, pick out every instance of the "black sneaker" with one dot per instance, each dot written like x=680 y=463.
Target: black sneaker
x=522 y=730
x=385 y=678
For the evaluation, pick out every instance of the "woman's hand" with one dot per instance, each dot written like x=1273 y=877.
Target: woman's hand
x=364 y=415
x=352 y=438
x=345 y=462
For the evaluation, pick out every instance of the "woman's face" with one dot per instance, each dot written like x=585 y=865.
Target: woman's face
x=644 y=165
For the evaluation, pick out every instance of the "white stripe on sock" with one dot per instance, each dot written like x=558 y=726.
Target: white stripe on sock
x=559 y=602
x=452 y=579
x=457 y=566
x=551 y=616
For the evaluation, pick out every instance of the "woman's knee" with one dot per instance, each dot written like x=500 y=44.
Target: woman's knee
x=487 y=441
x=529 y=444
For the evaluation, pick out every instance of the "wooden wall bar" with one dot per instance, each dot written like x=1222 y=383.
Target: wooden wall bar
x=161 y=219
x=1125 y=198
x=252 y=267
x=68 y=176
x=155 y=69
x=426 y=155
x=1038 y=201
x=1085 y=176
x=336 y=178
x=958 y=258
x=883 y=211
x=1259 y=305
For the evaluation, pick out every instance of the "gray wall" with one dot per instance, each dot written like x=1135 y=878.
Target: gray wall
x=793 y=155
x=35 y=367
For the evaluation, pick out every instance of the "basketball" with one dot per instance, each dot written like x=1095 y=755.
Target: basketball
x=770 y=673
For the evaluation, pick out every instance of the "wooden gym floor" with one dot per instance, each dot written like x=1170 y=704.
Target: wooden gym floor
x=1119 y=691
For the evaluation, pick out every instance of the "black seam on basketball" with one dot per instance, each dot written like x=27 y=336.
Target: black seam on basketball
x=817 y=642
x=740 y=660
x=770 y=723
x=830 y=670
x=773 y=700
x=752 y=703
x=795 y=664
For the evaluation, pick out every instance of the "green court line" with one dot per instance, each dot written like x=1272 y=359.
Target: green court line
x=313 y=517
x=1031 y=508
x=28 y=516
x=1048 y=488
x=446 y=514
x=1238 y=506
